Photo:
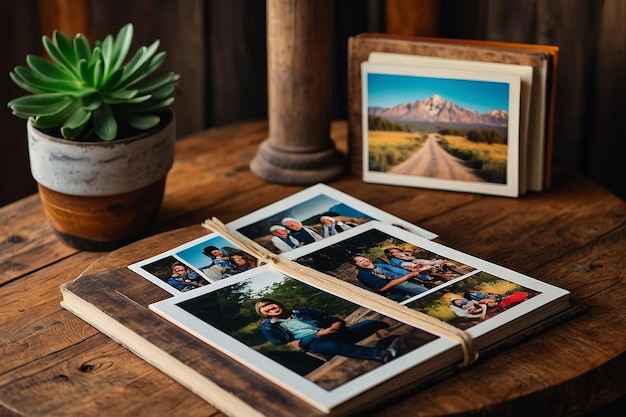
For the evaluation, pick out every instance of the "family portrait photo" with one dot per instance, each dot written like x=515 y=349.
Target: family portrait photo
x=385 y=265
x=310 y=221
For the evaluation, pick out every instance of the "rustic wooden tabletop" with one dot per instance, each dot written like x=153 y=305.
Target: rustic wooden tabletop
x=573 y=236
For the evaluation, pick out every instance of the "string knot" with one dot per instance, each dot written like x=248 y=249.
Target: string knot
x=268 y=259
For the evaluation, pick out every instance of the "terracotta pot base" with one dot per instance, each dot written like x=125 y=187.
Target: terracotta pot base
x=102 y=223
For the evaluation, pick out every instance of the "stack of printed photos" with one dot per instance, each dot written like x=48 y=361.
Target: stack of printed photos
x=470 y=116
x=339 y=303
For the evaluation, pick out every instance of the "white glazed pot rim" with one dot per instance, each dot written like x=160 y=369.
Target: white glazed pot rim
x=96 y=169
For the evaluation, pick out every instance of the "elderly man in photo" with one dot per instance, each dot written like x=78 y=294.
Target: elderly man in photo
x=304 y=234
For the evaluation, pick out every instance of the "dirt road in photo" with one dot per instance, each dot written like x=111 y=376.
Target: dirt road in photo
x=433 y=161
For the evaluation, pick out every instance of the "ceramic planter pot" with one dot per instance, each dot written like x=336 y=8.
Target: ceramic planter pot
x=99 y=196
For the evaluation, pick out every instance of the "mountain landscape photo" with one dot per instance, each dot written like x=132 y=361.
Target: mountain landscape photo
x=437 y=138
x=438 y=109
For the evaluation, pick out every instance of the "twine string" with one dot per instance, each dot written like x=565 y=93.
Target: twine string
x=337 y=286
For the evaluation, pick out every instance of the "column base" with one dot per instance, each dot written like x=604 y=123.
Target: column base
x=296 y=168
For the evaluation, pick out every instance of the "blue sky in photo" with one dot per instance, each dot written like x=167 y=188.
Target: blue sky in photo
x=194 y=256
x=389 y=90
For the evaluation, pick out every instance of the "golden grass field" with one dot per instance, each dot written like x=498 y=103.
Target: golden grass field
x=396 y=139
x=496 y=152
x=413 y=140
x=388 y=148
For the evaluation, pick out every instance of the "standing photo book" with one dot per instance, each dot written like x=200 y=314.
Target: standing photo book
x=452 y=114
x=319 y=304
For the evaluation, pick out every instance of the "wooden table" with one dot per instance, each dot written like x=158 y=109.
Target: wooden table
x=573 y=236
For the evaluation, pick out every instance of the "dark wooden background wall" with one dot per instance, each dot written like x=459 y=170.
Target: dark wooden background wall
x=218 y=46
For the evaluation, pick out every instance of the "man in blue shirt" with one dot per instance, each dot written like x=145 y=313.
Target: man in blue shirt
x=386 y=279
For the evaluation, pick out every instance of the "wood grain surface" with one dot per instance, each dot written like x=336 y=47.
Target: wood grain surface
x=573 y=236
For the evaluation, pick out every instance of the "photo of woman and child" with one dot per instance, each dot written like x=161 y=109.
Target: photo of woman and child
x=475 y=304
x=224 y=265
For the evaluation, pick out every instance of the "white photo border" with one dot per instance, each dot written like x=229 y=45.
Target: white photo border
x=512 y=186
x=328 y=399
x=309 y=391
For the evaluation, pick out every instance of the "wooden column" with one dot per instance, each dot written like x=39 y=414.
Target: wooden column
x=299 y=150
x=68 y=16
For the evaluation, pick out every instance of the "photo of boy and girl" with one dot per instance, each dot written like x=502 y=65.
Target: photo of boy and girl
x=201 y=264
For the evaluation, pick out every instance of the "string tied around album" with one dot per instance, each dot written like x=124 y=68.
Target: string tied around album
x=337 y=286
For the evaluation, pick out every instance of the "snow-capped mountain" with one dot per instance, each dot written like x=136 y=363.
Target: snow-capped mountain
x=437 y=109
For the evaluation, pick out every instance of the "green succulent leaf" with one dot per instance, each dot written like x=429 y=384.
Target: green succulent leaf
x=138 y=63
x=98 y=73
x=154 y=106
x=43 y=84
x=107 y=50
x=85 y=74
x=82 y=86
x=105 y=123
x=75 y=123
x=57 y=55
x=148 y=68
x=128 y=102
x=55 y=120
x=81 y=47
x=65 y=47
x=92 y=101
x=121 y=46
x=142 y=121
x=45 y=68
x=111 y=79
x=31 y=88
x=96 y=55
x=164 y=92
x=149 y=86
x=154 y=64
x=42 y=104
x=123 y=94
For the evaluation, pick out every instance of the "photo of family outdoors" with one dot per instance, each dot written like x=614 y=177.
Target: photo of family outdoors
x=385 y=265
x=472 y=300
x=307 y=222
x=319 y=213
x=402 y=271
x=353 y=309
x=312 y=215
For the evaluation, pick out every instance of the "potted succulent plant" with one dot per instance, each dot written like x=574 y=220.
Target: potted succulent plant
x=101 y=136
